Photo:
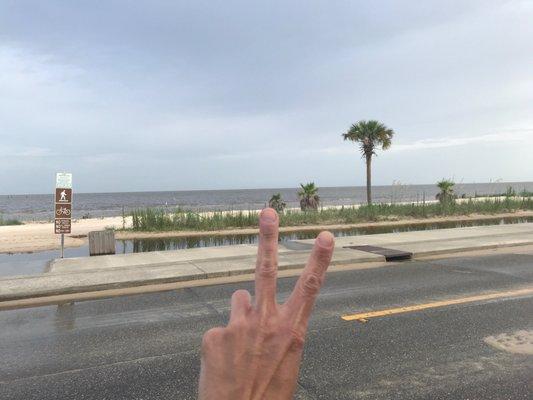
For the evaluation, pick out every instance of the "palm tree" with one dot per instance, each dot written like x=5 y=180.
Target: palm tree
x=277 y=203
x=446 y=193
x=309 y=198
x=370 y=135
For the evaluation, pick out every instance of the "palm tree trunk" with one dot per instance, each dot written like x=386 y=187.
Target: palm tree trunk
x=369 y=179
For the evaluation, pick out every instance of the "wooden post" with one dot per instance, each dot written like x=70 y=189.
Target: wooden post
x=101 y=242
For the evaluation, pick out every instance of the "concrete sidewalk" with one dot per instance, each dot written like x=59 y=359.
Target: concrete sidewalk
x=441 y=241
x=75 y=275
x=78 y=275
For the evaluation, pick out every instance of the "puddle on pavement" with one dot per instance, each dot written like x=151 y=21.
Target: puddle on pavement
x=35 y=263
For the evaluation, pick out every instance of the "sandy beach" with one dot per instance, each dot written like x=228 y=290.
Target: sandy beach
x=39 y=236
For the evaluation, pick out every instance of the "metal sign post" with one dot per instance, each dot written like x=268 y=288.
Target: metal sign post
x=63 y=207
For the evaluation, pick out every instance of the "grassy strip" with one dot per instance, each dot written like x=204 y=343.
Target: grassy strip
x=509 y=193
x=9 y=221
x=159 y=219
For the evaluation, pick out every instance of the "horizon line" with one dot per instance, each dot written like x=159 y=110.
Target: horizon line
x=263 y=188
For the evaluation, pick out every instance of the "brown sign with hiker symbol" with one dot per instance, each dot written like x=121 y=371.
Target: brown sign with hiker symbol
x=63 y=210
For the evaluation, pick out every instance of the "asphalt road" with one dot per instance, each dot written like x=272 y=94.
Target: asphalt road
x=146 y=346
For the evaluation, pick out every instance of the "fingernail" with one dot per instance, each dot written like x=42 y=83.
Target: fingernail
x=325 y=239
x=268 y=215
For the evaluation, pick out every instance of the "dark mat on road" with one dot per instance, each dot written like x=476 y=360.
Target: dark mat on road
x=389 y=254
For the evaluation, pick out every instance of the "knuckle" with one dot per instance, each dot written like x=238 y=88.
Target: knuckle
x=268 y=268
x=240 y=297
x=239 y=325
x=240 y=293
x=268 y=251
x=212 y=337
x=311 y=285
x=268 y=234
x=268 y=326
x=297 y=340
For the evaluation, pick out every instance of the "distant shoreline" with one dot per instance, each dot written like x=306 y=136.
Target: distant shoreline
x=272 y=188
x=95 y=205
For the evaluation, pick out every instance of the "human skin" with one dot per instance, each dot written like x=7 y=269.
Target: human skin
x=257 y=355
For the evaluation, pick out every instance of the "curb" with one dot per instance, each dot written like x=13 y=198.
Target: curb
x=202 y=274
x=467 y=249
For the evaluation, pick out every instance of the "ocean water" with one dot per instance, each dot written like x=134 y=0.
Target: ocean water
x=40 y=207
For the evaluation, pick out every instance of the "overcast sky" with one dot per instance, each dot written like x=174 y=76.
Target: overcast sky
x=171 y=95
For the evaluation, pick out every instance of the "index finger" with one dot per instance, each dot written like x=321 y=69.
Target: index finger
x=302 y=299
x=266 y=269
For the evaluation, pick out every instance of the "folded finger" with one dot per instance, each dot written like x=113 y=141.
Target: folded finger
x=240 y=305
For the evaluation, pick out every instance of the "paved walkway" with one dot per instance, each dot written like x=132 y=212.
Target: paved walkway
x=76 y=275
x=439 y=241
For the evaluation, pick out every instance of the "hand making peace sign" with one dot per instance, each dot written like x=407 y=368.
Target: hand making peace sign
x=257 y=355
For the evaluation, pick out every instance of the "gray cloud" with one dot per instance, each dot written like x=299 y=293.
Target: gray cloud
x=176 y=95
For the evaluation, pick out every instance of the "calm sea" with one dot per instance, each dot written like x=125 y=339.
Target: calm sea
x=39 y=207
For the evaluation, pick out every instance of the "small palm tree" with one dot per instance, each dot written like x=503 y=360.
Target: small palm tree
x=309 y=198
x=370 y=135
x=510 y=192
x=446 y=194
x=277 y=203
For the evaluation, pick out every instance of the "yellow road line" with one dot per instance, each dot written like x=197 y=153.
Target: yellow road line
x=362 y=317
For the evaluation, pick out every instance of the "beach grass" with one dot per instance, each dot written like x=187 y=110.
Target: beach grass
x=161 y=219
x=9 y=221
x=510 y=192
